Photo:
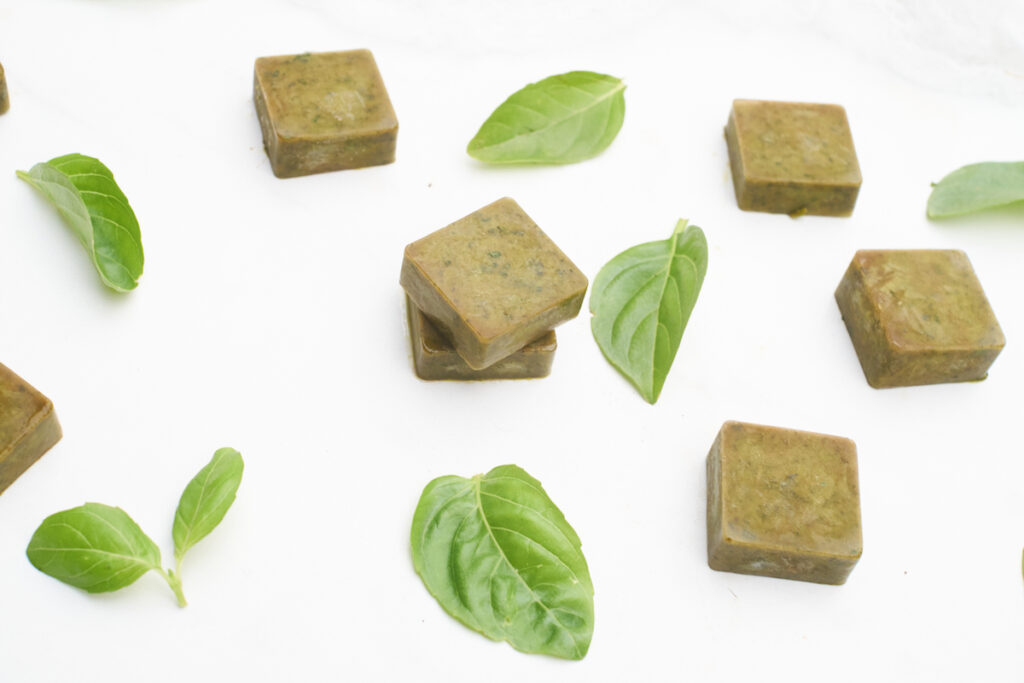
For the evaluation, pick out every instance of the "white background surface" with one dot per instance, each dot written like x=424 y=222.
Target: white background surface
x=269 y=318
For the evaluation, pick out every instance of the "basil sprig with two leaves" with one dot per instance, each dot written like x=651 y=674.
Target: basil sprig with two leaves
x=500 y=557
x=976 y=187
x=99 y=548
x=85 y=194
x=559 y=120
x=641 y=301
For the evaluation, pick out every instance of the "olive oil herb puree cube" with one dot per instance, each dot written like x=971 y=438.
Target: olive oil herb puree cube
x=918 y=317
x=325 y=111
x=792 y=157
x=5 y=100
x=28 y=426
x=434 y=357
x=494 y=281
x=783 y=503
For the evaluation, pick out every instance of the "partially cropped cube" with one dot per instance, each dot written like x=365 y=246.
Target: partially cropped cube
x=792 y=157
x=28 y=426
x=494 y=281
x=324 y=111
x=434 y=357
x=5 y=101
x=783 y=503
x=918 y=317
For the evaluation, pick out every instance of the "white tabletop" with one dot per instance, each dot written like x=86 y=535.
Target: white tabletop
x=270 y=319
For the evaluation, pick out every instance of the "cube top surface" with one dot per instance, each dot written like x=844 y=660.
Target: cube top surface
x=795 y=142
x=21 y=408
x=928 y=299
x=790 y=490
x=324 y=95
x=497 y=269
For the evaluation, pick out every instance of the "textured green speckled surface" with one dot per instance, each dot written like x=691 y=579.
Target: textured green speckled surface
x=5 y=101
x=783 y=503
x=792 y=157
x=28 y=426
x=494 y=280
x=324 y=111
x=918 y=317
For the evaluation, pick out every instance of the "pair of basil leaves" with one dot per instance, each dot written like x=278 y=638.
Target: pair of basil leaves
x=100 y=548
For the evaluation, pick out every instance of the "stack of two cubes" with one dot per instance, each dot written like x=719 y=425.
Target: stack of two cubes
x=484 y=295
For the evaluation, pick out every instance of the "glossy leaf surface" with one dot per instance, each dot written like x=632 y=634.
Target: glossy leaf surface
x=641 y=301
x=977 y=187
x=559 y=120
x=206 y=499
x=94 y=547
x=85 y=194
x=500 y=557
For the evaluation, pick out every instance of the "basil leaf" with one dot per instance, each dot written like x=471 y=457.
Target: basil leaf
x=500 y=557
x=206 y=500
x=559 y=120
x=94 y=547
x=641 y=301
x=976 y=187
x=85 y=194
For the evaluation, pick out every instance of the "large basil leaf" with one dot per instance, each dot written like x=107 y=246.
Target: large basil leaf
x=559 y=120
x=977 y=187
x=94 y=547
x=500 y=557
x=206 y=500
x=641 y=301
x=85 y=194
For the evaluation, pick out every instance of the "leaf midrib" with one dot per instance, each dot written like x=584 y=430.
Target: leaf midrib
x=551 y=524
x=487 y=525
x=189 y=526
x=620 y=86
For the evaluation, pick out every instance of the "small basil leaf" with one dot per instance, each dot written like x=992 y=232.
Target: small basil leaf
x=977 y=187
x=499 y=556
x=559 y=120
x=641 y=301
x=206 y=500
x=94 y=547
x=85 y=194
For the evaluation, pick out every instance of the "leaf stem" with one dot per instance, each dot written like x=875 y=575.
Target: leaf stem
x=174 y=581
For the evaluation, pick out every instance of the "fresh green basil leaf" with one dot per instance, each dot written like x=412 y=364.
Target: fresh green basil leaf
x=977 y=187
x=94 y=547
x=559 y=120
x=641 y=301
x=500 y=557
x=206 y=500
x=85 y=194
